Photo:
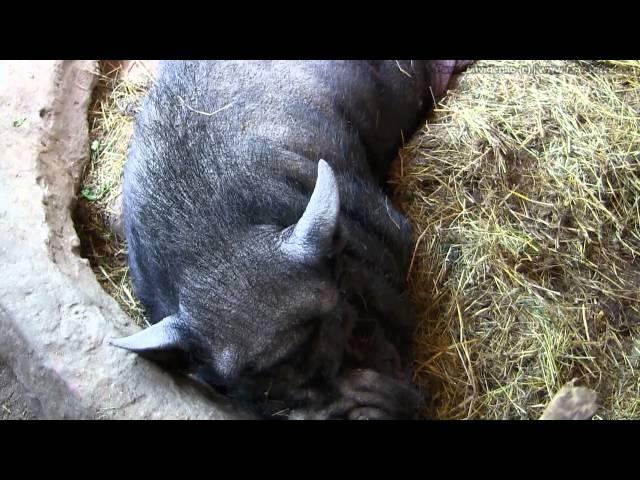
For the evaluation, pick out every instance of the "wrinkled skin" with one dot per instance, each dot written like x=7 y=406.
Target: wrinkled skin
x=292 y=303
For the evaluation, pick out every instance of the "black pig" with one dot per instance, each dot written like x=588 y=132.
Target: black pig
x=261 y=241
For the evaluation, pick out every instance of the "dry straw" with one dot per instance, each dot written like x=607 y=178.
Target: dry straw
x=524 y=191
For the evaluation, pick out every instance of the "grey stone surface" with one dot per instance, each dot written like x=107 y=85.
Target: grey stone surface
x=572 y=403
x=55 y=319
x=14 y=403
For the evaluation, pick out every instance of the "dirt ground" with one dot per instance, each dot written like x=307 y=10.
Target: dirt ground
x=13 y=404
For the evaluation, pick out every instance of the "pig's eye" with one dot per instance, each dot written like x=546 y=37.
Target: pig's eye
x=250 y=369
x=310 y=320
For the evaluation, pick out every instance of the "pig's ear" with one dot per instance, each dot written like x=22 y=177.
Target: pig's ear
x=314 y=233
x=163 y=342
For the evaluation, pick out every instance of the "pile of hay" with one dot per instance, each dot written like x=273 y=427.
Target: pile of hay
x=524 y=191
x=115 y=102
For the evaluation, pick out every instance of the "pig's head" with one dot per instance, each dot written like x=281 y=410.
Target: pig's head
x=268 y=326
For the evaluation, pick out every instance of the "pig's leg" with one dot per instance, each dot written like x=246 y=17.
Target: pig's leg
x=444 y=73
x=369 y=395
